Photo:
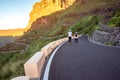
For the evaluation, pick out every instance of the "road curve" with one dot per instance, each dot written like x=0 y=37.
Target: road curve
x=85 y=61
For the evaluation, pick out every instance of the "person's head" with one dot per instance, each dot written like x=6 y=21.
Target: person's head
x=76 y=32
x=70 y=30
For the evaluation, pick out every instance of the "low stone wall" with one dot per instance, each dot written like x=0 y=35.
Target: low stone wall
x=100 y=36
x=106 y=37
x=33 y=67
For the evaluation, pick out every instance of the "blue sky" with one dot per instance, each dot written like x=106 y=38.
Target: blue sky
x=15 y=13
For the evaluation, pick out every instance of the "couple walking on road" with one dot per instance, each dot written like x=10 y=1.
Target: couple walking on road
x=70 y=37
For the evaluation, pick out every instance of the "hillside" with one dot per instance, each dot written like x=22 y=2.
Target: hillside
x=51 y=19
x=58 y=22
x=46 y=7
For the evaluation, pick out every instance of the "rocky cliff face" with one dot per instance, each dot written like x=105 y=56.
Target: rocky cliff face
x=46 y=7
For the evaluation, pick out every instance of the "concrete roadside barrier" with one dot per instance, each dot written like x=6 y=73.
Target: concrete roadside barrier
x=53 y=45
x=21 y=78
x=46 y=50
x=33 y=67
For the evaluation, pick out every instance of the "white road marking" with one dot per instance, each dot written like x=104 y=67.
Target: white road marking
x=47 y=69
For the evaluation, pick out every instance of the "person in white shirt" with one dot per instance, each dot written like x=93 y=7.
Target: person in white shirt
x=70 y=36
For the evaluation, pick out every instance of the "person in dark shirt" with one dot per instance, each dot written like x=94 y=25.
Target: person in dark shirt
x=76 y=37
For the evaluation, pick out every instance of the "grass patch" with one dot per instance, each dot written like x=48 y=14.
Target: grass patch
x=109 y=43
x=115 y=21
x=86 y=25
x=11 y=64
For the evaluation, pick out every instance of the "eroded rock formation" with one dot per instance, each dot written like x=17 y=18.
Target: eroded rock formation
x=46 y=7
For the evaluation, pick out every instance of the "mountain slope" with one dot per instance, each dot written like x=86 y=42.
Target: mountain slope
x=57 y=23
x=46 y=7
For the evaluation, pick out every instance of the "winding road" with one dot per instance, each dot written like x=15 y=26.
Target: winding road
x=85 y=61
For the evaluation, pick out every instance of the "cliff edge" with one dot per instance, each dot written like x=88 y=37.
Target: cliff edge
x=47 y=7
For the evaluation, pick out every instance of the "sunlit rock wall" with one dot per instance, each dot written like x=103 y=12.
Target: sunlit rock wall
x=46 y=7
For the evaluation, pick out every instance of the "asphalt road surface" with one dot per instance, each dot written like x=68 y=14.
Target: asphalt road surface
x=85 y=61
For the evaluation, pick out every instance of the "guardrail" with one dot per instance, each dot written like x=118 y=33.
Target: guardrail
x=33 y=67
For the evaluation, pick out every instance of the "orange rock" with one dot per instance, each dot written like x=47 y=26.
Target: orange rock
x=46 y=7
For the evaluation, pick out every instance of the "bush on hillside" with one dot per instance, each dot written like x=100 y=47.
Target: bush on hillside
x=86 y=25
x=115 y=21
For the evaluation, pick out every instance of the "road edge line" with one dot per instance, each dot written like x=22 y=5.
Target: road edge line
x=47 y=69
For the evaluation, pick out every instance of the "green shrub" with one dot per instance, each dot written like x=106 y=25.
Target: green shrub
x=86 y=24
x=109 y=43
x=115 y=21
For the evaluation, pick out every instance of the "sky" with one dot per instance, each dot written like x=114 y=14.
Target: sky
x=15 y=13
